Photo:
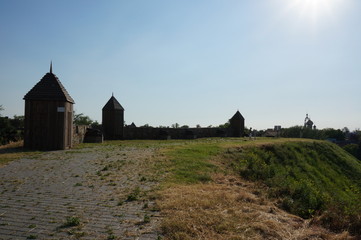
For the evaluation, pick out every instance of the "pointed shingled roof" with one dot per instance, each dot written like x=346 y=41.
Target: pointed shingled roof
x=49 y=88
x=113 y=104
x=237 y=115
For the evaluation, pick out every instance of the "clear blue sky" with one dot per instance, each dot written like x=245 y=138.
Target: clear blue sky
x=190 y=61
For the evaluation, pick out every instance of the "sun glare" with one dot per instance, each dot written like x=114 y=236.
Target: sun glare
x=313 y=12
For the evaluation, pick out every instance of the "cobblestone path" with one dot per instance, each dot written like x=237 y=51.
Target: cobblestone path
x=101 y=192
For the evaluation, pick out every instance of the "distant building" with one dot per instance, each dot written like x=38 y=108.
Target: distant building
x=48 y=115
x=237 y=125
x=277 y=128
x=113 y=119
x=308 y=123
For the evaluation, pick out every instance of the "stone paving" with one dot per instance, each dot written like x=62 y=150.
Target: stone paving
x=102 y=192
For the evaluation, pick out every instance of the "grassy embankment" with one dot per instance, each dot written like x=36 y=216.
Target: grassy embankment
x=312 y=179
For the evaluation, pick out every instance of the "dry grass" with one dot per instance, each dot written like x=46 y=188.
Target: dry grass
x=230 y=209
x=13 y=151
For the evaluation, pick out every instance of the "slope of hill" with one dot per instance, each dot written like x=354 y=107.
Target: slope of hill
x=308 y=178
x=236 y=189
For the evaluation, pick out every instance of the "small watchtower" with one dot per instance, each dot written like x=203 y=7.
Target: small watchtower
x=48 y=115
x=113 y=119
x=237 y=125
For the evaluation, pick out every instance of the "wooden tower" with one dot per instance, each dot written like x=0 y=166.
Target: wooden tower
x=237 y=125
x=113 y=119
x=48 y=115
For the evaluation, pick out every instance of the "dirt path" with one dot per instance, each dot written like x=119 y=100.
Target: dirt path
x=93 y=193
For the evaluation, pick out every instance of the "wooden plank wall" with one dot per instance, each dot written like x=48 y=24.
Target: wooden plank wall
x=48 y=125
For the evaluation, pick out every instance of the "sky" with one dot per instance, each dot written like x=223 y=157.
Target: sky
x=189 y=61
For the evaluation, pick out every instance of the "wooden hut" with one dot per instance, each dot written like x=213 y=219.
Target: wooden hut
x=48 y=115
x=237 y=125
x=113 y=119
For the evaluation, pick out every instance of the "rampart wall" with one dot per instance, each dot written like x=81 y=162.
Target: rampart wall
x=174 y=133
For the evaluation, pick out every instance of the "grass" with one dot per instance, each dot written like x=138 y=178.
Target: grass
x=191 y=163
x=134 y=195
x=14 y=151
x=221 y=210
x=308 y=178
x=71 y=221
x=232 y=188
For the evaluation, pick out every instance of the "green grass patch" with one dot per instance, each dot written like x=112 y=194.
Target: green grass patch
x=134 y=195
x=191 y=163
x=309 y=177
x=71 y=221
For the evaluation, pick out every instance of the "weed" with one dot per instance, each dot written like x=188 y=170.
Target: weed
x=78 y=185
x=134 y=195
x=71 y=222
x=110 y=233
x=31 y=237
x=111 y=237
x=105 y=168
x=76 y=233
x=146 y=218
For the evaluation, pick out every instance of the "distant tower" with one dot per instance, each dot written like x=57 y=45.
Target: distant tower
x=237 y=125
x=48 y=115
x=308 y=123
x=113 y=119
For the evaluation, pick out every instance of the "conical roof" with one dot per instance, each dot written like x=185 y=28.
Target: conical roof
x=237 y=115
x=49 y=88
x=113 y=104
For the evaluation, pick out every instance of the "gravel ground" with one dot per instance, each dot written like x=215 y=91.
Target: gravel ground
x=102 y=192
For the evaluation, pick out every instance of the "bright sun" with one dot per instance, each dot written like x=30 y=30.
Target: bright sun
x=313 y=11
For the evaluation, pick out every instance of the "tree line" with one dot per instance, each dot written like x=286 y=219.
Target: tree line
x=11 y=129
x=349 y=141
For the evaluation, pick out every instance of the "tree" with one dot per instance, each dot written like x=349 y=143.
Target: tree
x=146 y=126
x=81 y=119
x=225 y=125
x=95 y=125
x=1 y=109
x=175 y=125
x=292 y=132
x=333 y=134
x=345 y=130
x=18 y=121
x=8 y=132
